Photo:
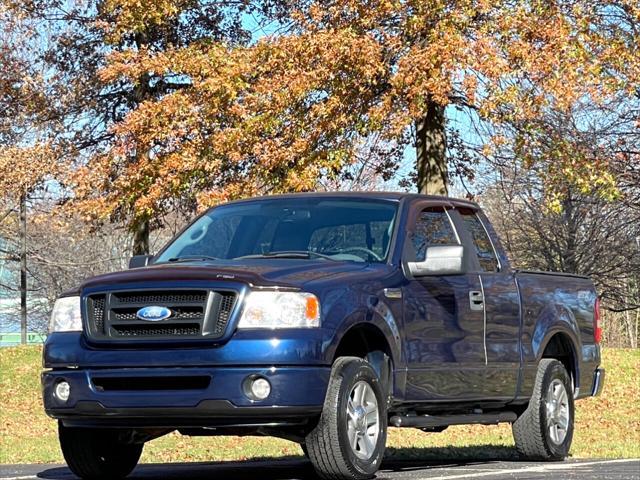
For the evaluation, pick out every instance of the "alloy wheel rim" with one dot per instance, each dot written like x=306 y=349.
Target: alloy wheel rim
x=557 y=410
x=363 y=420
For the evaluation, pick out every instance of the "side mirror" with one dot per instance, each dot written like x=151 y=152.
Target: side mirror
x=439 y=260
x=138 y=261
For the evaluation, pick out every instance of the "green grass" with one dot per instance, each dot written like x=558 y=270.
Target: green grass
x=606 y=427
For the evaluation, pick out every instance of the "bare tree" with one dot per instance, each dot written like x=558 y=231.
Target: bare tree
x=548 y=222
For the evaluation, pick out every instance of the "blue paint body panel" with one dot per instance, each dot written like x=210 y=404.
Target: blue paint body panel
x=444 y=355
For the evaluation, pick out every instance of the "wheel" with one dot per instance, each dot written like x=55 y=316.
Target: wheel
x=545 y=430
x=349 y=441
x=98 y=454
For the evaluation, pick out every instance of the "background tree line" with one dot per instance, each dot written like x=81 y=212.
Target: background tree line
x=120 y=119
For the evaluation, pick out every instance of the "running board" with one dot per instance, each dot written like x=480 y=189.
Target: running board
x=425 y=421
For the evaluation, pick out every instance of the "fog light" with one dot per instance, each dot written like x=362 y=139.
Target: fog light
x=63 y=391
x=260 y=388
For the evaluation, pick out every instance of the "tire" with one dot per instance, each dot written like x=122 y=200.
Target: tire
x=330 y=444
x=98 y=454
x=545 y=430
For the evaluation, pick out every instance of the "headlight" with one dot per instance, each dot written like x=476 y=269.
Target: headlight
x=280 y=310
x=66 y=315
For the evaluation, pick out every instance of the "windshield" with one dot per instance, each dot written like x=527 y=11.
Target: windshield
x=306 y=228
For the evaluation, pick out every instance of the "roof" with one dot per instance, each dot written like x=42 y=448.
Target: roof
x=394 y=196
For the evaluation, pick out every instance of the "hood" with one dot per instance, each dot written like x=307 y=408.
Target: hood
x=259 y=272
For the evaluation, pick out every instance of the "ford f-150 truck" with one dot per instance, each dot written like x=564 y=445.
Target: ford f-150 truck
x=322 y=319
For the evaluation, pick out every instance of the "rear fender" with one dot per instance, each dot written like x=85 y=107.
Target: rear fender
x=557 y=319
x=552 y=320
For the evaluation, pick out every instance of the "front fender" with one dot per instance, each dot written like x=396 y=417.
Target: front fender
x=377 y=314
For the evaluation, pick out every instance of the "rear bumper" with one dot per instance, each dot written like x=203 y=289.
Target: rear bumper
x=598 y=382
x=297 y=395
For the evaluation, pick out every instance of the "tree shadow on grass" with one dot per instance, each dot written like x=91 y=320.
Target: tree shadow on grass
x=299 y=468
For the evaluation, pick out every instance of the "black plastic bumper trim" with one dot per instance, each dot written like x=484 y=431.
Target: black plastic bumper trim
x=207 y=413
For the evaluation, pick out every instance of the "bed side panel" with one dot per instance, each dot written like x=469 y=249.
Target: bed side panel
x=553 y=304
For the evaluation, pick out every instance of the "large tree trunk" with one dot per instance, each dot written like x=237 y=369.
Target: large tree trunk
x=431 y=151
x=23 y=268
x=140 y=94
x=140 y=226
x=141 y=237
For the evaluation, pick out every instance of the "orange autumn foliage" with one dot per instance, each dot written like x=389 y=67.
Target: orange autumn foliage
x=280 y=114
x=24 y=168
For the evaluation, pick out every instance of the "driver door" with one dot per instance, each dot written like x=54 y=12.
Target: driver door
x=444 y=332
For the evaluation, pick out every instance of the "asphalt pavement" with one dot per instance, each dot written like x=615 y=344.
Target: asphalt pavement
x=391 y=470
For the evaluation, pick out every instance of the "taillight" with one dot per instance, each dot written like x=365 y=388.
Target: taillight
x=597 y=322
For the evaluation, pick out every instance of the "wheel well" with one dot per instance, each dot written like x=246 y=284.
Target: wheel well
x=367 y=341
x=561 y=348
x=361 y=340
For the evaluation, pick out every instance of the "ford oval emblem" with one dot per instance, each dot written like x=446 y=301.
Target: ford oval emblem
x=153 y=313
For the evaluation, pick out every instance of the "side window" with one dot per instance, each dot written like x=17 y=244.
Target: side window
x=484 y=247
x=433 y=227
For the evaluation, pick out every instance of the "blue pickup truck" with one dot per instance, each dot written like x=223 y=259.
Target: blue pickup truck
x=322 y=319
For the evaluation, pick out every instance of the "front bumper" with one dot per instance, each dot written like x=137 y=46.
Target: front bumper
x=303 y=346
x=598 y=382
x=297 y=395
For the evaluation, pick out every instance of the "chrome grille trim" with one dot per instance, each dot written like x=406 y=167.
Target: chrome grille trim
x=197 y=313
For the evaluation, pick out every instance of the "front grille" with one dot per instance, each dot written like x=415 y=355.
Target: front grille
x=226 y=303
x=98 y=312
x=195 y=314
x=147 y=330
x=150 y=298
x=178 y=313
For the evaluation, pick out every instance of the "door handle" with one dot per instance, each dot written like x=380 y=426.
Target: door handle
x=476 y=300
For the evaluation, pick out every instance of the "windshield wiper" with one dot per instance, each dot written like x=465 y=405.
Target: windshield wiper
x=188 y=258
x=289 y=254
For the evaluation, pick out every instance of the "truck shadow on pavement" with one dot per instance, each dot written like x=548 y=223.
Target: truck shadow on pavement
x=407 y=459
x=289 y=468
